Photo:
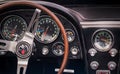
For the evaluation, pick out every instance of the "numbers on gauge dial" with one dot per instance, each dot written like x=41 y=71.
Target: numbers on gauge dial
x=13 y=27
x=47 y=30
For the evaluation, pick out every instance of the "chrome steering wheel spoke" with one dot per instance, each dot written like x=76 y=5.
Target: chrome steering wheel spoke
x=22 y=65
x=34 y=21
x=25 y=45
x=7 y=45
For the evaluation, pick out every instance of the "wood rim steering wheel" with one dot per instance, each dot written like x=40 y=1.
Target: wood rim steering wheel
x=28 y=38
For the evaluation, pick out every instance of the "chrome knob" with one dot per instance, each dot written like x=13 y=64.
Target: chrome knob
x=92 y=52
x=45 y=50
x=113 y=52
x=94 y=65
x=112 y=65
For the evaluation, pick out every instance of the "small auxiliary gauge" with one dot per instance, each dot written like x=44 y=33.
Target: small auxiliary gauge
x=103 y=40
x=58 y=49
x=70 y=35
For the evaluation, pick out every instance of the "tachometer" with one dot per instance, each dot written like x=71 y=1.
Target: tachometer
x=13 y=27
x=47 y=30
x=102 y=40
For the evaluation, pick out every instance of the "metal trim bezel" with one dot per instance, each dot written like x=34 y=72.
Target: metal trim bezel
x=97 y=72
x=72 y=32
x=101 y=50
x=29 y=50
x=5 y=19
x=36 y=37
x=54 y=45
x=100 y=24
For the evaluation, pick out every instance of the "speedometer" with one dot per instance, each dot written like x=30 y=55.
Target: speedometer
x=13 y=27
x=102 y=40
x=47 y=30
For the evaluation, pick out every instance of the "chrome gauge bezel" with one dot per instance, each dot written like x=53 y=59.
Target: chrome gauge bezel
x=67 y=36
x=38 y=39
x=6 y=18
x=53 y=48
x=97 y=47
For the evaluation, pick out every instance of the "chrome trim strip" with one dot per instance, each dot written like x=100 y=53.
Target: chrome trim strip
x=65 y=70
x=100 y=24
x=105 y=49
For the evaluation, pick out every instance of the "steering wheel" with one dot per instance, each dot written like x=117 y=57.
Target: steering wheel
x=28 y=39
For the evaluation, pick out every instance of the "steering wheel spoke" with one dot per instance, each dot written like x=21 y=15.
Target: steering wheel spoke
x=24 y=46
x=22 y=65
x=7 y=45
x=34 y=21
x=28 y=37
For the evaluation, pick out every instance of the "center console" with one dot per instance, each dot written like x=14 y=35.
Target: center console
x=102 y=46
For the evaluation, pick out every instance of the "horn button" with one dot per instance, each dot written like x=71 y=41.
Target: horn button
x=23 y=49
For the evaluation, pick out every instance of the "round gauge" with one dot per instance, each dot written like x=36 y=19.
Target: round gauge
x=70 y=35
x=74 y=50
x=58 y=49
x=102 y=40
x=47 y=30
x=13 y=27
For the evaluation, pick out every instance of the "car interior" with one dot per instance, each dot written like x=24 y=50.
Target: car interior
x=59 y=37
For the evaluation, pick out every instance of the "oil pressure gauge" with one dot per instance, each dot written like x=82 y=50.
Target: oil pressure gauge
x=102 y=40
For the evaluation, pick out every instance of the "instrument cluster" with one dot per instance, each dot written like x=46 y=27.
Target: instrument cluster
x=48 y=38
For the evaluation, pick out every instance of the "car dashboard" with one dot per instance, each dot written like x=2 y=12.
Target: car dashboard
x=92 y=31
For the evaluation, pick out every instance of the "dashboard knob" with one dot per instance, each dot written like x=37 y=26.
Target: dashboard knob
x=2 y=52
x=92 y=52
x=113 y=52
x=112 y=65
x=45 y=50
x=94 y=65
x=74 y=50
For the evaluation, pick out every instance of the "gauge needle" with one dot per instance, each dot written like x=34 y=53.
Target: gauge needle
x=13 y=31
x=44 y=34
x=105 y=40
x=16 y=36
